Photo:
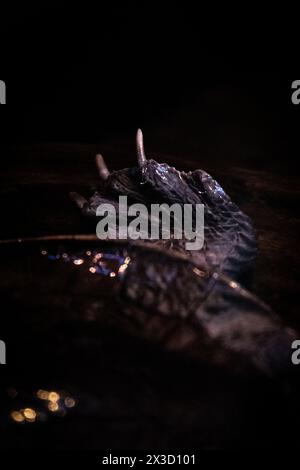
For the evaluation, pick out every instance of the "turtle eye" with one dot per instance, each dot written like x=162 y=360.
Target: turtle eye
x=212 y=188
x=162 y=171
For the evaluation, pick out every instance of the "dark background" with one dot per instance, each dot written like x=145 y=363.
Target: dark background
x=81 y=74
x=81 y=80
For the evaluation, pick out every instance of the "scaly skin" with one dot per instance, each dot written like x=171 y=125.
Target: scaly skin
x=196 y=288
x=229 y=238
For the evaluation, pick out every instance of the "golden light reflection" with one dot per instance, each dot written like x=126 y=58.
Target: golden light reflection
x=55 y=401
x=78 y=262
x=112 y=274
x=124 y=266
x=29 y=414
x=26 y=414
x=42 y=394
x=53 y=406
x=92 y=270
x=17 y=416
x=53 y=397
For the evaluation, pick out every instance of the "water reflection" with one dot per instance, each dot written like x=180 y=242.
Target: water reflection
x=104 y=263
x=40 y=405
x=43 y=404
